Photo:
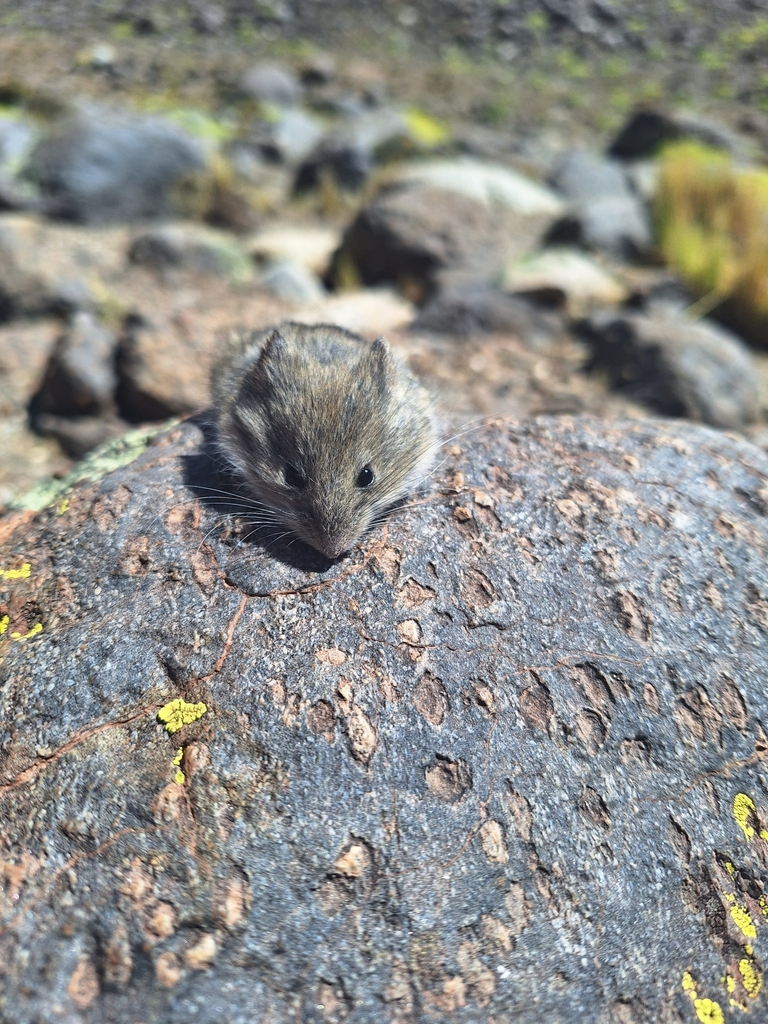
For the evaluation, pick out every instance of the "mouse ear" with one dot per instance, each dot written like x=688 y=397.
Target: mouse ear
x=381 y=362
x=274 y=347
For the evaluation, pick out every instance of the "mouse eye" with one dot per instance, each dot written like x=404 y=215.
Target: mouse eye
x=365 y=477
x=294 y=477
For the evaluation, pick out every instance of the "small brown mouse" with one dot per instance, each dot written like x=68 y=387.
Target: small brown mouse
x=326 y=430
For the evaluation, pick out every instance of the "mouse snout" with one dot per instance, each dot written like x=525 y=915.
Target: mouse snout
x=329 y=529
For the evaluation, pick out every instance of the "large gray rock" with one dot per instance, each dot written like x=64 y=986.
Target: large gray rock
x=271 y=83
x=604 y=212
x=648 y=130
x=192 y=247
x=504 y=763
x=109 y=167
x=54 y=268
x=75 y=403
x=80 y=378
x=462 y=218
x=349 y=154
x=680 y=367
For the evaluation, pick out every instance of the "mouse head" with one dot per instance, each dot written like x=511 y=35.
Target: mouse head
x=329 y=431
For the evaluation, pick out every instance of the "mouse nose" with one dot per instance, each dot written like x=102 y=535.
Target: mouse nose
x=334 y=548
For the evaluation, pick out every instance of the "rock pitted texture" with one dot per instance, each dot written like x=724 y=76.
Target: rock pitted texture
x=503 y=763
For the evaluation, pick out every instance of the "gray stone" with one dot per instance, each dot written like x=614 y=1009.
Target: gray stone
x=192 y=247
x=293 y=137
x=80 y=379
x=646 y=131
x=503 y=763
x=485 y=182
x=414 y=231
x=680 y=367
x=47 y=268
x=271 y=83
x=582 y=176
x=17 y=137
x=605 y=213
x=79 y=435
x=478 y=308
x=564 y=277
x=349 y=154
x=109 y=167
x=292 y=281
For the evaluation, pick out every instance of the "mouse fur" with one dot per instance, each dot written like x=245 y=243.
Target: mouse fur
x=326 y=430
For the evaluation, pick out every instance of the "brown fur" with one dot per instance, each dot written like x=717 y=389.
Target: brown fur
x=316 y=406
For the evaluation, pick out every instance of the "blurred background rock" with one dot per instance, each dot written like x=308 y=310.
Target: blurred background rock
x=546 y=206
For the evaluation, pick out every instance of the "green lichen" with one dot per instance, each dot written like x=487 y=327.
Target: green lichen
x=108 y=457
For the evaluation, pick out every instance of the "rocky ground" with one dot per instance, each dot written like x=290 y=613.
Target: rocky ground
x=514 y=756
x=165 y=174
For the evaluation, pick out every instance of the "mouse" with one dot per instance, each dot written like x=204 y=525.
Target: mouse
x=326 y=431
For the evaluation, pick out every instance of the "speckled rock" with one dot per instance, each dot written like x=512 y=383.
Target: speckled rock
x=503 y=762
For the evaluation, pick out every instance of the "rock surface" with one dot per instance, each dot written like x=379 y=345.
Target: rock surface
x=605 y=213
x=107 y=167
x=505 y=762
x=680 y=367
x=446 y=218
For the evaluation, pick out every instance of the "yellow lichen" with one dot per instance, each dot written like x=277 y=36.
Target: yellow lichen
x=750 y=977
x=743 y=921
x=730 y=984
x=689 y=985
x=708 y=1011
x=763 y=904
x=179 y=777
x=3 y=624
x=730 y=868
x=179 y=713
x=743 y=810
x=16 y=574
x=62 y=507
x=37 y=628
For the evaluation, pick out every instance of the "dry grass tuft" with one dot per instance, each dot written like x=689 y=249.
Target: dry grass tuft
x=712 y=226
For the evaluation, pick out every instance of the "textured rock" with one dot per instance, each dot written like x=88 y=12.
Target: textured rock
x=503 y=763
x=312 y=247
x=75 y=402
x=647 y=131
x=163 y=367
x=24 y=353
x=349 y=154
x=414 y=232
x=191 y=247
x=105 y=167
x=681 y=367
x=271 y=83
x=564 y=277
x=25 y=349
x=487 y=183
x=369 y=311
x=481 y=308
x=292 y=282
x=292 y=137
x=604 y=212
x=48 y=268
x=80 y=377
